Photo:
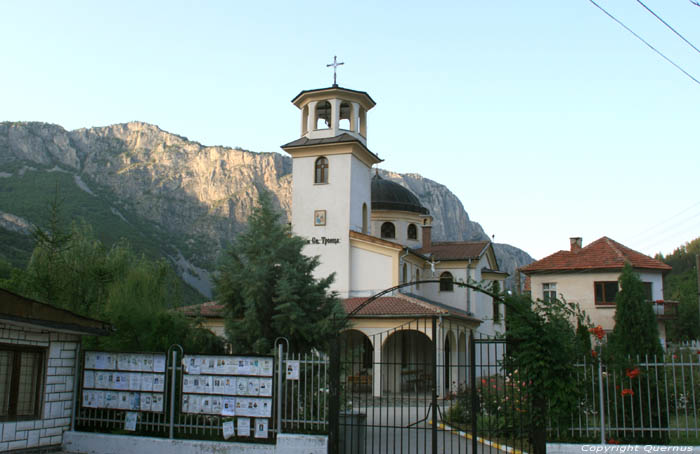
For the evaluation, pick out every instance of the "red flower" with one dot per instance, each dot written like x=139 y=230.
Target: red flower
x=594 y=353
x=598 y=331
x=627 y=392
x=612 y=441
x=483 y=381
x=632 y=373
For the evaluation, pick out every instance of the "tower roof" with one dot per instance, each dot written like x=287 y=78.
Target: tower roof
x=361 y=97
x=388 y=195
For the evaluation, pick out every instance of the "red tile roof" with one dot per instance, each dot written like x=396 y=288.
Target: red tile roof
x=210 y=309
x=455 y=250
x=603 y=253
x=400 y=306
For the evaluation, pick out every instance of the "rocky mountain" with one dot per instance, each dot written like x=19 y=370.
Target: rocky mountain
x=168 y=195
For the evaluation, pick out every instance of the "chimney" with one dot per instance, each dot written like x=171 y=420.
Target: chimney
x=576 y=243
x=427 y=233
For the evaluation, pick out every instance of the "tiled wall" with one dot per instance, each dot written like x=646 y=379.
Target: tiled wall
x=58 y=389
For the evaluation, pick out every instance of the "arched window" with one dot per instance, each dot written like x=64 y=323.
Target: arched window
x=321 y=174
x=388 y=230
x=412 y=232
x=364 y=218
x=446 y=283
x=345 y=114
x=323 y=115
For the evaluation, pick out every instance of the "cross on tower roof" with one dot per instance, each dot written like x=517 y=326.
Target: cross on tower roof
x=335 y=64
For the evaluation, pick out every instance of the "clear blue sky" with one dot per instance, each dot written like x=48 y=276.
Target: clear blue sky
x=547 y=119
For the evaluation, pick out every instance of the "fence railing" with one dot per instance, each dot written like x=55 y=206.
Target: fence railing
x=656 y=399
x=300 y=403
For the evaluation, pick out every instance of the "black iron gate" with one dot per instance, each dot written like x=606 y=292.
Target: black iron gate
x=428 y=385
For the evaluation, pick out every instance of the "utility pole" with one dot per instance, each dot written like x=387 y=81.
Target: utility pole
x=697 y=270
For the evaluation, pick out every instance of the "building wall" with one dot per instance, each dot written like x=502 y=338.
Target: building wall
x=579 y=288
x=371 y=271
x=57 y=395
x=334 y=197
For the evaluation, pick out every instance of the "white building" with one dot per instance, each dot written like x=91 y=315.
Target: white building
x=375 y=235
x=39 y=346
x=589 y=276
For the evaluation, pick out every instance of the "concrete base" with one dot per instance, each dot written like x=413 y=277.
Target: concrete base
x=97 y=443
x=592 y=448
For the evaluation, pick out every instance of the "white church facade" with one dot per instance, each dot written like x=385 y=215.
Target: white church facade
x=374 y=234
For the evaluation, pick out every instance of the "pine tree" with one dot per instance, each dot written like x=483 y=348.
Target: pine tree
x=636 y=332
x=268 y=288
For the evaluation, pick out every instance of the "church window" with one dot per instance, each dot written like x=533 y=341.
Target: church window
x=446 y=282
x=345 y=114
x=405 y=273
x=323 y=115
x=364 y=218
x=321 y=174
x=417 y=278
x=388 y=230
x=412 y=232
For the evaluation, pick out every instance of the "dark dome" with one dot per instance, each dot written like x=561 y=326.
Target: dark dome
x=387 y=195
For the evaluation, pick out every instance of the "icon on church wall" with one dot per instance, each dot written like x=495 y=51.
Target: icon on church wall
x=320 y=217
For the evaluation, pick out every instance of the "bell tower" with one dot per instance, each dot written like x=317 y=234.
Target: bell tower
x=331 y=176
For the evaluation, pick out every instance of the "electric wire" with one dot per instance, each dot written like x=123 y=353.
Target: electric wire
x=645 y=42
x=643 y=232
x=667 y=25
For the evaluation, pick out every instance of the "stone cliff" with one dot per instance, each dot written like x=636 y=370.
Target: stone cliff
x=191 y=198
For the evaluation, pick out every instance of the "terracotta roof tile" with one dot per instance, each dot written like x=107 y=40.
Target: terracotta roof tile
x=455 y=250
x=401 y=305
x=603 y=253
x=210 y=309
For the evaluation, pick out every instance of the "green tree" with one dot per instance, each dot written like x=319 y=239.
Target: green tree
x=268 y=288
x=636 y=332
x=73 y=270
x=681 y=285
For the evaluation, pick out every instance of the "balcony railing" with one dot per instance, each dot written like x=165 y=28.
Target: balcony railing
x=665 y=310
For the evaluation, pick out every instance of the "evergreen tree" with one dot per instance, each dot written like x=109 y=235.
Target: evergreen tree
x=268 y=288
x=636 y=332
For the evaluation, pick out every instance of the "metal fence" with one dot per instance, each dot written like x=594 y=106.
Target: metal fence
x=654 y=400
x=300 y=403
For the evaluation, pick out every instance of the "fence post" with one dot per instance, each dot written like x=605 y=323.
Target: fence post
x=76 y=378
x=172 y=394
x=600 y=399
x=334 y=402
x=472 y=384
x=279 y=388
x=434 y=444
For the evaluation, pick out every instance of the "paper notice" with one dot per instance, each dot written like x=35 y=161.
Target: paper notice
x=261 y=428
x=228 y=429
x=243 y=427
x=130 y=420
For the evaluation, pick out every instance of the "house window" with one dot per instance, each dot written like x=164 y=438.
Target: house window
x=605 y=292
x=21 y=380
x=647 y=291
x=446 y=282
x=549 y=291
x=417 y=279
x=412 y=232
x=321 y=174
x=388 y=230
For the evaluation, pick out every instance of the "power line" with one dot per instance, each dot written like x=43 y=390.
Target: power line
x=642 y=233
x=666 y=24
x=645 y=42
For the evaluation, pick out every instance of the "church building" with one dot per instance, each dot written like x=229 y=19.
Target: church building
x=374 y=234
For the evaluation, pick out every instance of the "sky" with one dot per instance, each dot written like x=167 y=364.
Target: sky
x=547 y=119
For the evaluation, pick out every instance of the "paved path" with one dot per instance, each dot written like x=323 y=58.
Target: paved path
x=406 y=429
